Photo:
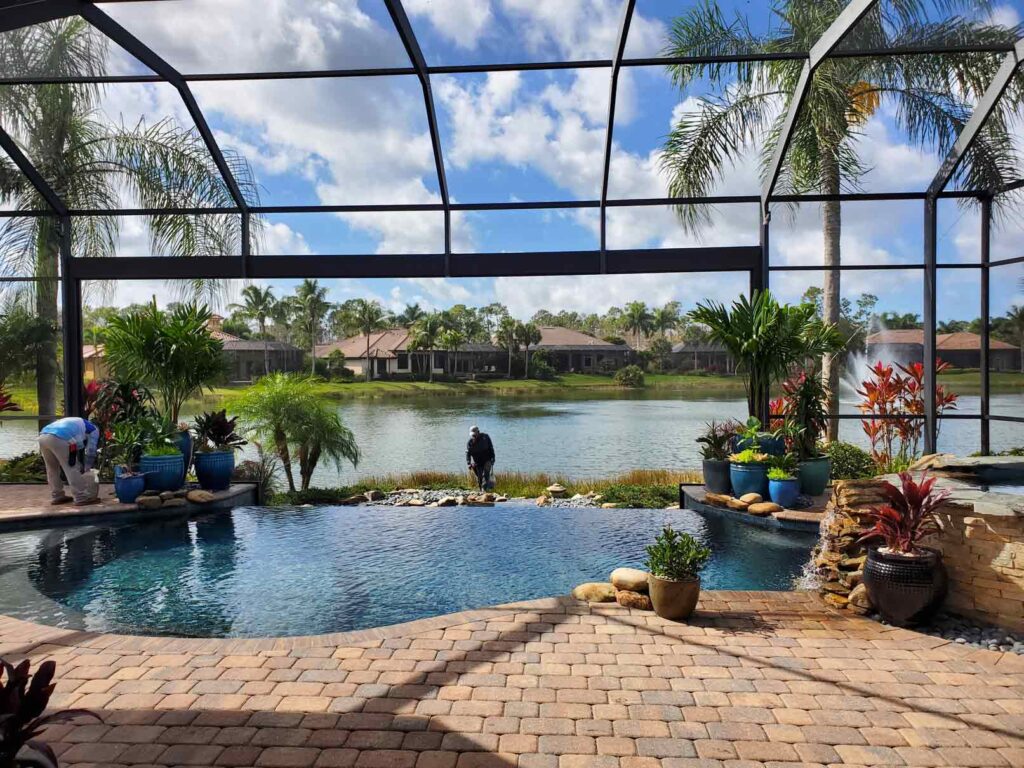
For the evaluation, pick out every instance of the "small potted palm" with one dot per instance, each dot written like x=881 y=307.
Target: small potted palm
x=805 y=397
x=675 y=561
x=216 y=443
x=123 y=450
x=714 y=448
x=905 y=580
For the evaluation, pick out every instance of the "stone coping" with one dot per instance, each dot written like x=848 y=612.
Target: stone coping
x=786 y=520
x=42 y=515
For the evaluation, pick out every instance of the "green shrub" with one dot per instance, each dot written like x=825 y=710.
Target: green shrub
x=778 y=473
x=641 y=496
x=676 y=556
x=162 y=450
x=630 y=376
x=312 y=496
x=24 y=468
x=850 y=462
x=749 y=456
x=542 y=370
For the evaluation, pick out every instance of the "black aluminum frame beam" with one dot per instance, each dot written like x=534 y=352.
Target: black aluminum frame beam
x=22 y=13
x=976 y=124
x=821 y=50
x=35 y=178
x=620 y=50
x=412 y=48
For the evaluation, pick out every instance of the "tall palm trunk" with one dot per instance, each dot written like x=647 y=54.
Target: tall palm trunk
x=510 y=361
x=431 y=375
x=831 y=213
x=368 y=371
x=526 y=373
x=312 y=346
x=266 y=348
x=46 y=308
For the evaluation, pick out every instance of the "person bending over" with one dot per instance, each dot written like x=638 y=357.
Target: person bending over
x=69 y=445
x=480 y=457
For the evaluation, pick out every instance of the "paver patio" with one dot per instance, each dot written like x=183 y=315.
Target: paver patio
x=756 y=679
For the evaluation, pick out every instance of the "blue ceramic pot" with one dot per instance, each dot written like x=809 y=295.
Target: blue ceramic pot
x=163 y=473
x=773 y=446
x=814 y=474
x=214 y=469
x=784 y=492
x=127 y=488
x=749 y=478
x=183 y=442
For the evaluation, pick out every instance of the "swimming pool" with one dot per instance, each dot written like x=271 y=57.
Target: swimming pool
x=258 y=572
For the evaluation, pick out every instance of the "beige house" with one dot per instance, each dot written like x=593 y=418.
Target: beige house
x=575 y=351
x=390 y=355
x=961 y=349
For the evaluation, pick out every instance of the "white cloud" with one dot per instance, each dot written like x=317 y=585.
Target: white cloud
x=463 y=22
x=1004 y=16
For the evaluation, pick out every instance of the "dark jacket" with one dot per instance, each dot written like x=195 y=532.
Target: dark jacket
x=479 y=449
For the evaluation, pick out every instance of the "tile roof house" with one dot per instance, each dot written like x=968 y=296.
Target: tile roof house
x=390 y=355
x=961 y=349
x=245 y=357
x=571 y=350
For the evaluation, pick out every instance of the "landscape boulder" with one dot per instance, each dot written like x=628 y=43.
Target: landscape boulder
x=610 y=505
x=447 y=501
x=556 y=491
x=628 y=599
x=150 y=502
x=595 y=592
x=763 y=508
x=751 y=498
x=717 y=499
x=200 y=497
x=374 y=495
x=359 y=498
x=417 y=502
x=629 y=579
x=165 y=495
x=738 y=504
x=543 y=501
x=175 y=502
x=859 y=599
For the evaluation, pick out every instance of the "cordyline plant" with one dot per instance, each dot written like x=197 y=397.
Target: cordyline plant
x=22 y=703
x=802 y=411
x=909 y=516
x=216 y=432
x=6 y=400
x=894 y=398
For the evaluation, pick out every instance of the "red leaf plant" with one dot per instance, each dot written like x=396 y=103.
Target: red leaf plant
x=894 y=399
x=909 y=515
x=22 y=704
x=6 y=400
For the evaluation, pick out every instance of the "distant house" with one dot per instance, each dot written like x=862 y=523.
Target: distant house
x=244 y=357
x=576 y=351
x=702 y=356
x=94 y=363
x=390 y=355
x=961 y=349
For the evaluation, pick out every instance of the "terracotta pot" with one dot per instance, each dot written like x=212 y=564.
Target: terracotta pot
x=673 y=600
x=905 y=589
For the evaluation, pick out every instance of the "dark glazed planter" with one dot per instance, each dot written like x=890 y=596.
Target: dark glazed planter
x=716 y=475
x=673 y=600
x=814 y=474
x=214 y=469
x=184 y=443
x=163 y=473
x=128 y=488
x=905 y=589
x=749 y=478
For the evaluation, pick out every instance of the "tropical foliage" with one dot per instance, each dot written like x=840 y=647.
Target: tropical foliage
x=802 y=407
x=676 y=556
x=909 y=516
x=171 y=352
x=629 y=376
x=716 y=439
x=258 y=305
x=285 y=412
x=214 y=431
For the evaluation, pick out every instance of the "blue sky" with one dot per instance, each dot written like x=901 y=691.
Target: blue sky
x=509 y=136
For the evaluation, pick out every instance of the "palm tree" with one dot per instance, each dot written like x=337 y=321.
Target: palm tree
x=451 y=341
x=90 y=163
x=425 y=336
x=931 y=95
x=258 y=304
x=410 y=315
x=311 y=305
x=1015 y=318
x=367 y=317
x=285 y=410
x=507 y=338
x=637 y=319
x=666 y=319
x=527 y=334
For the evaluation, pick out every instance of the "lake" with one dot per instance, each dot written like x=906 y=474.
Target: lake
x=579 y=436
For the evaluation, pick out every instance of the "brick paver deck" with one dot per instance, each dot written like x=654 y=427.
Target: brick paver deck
x=756 y=679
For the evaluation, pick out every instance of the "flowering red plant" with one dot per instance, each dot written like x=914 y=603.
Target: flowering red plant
x=894 y=398
x=909 y=516
x=6 y=401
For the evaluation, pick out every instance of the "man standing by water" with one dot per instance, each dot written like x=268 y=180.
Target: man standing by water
x=480 y=457
x=69 y=445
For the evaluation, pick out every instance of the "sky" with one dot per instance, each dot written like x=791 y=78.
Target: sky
x=507 y=136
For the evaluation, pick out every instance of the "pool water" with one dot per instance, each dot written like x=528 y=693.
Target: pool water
x=256 y=572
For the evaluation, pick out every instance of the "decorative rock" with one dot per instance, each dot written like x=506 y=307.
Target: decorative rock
x=859 y=597
x=181 y=493
x=501 y=498
x=150 y=502
x=836 y=601
x=763 y=508
x=200 y=497
x=629 y=579
x=628 y=599
x=595 y=592
x=447 y=501
x=853 y=563
x=672 y=506
x=543 y=501
x=415 y=503
x=460 y=500
x=165 y=495
x=359 y=498
x=175 y=502
x=718 y=499
x=556 y=491
x=374 y=495
x=751 y=498
x=609 y=505
x=597 y=497
x=738 y=504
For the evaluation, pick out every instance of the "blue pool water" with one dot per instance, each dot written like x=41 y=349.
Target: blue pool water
x=257 y=572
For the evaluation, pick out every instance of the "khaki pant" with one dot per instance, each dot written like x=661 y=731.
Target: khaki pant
x=55 y=455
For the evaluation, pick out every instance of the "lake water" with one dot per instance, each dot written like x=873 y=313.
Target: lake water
x=576 y=436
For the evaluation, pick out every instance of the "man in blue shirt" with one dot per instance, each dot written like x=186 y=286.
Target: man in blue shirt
x=69 y=445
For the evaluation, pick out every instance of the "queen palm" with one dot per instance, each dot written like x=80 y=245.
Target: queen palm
x=666 y=319
x=931 y=96
x=311 y=305
x=258 y=304
x=527 y=334
x=425 y=336
x=90 y=162
x=506 y=336
x=408 y=316
x=637 y=320
x=367 y=317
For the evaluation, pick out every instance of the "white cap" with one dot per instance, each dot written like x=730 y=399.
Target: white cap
x=474 y=429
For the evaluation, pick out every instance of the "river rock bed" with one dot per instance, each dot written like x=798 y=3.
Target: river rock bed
x=966 y=632
x=451 y=496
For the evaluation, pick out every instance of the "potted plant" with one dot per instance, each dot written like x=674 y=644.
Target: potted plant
x=804 y=403
x=23 y=700
x=216 y=443
x=783 y=482
x=675 y=561
x=715 y=442
x=904 y=580
x=748 y=472
x=751 y=435
x=162 y=462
